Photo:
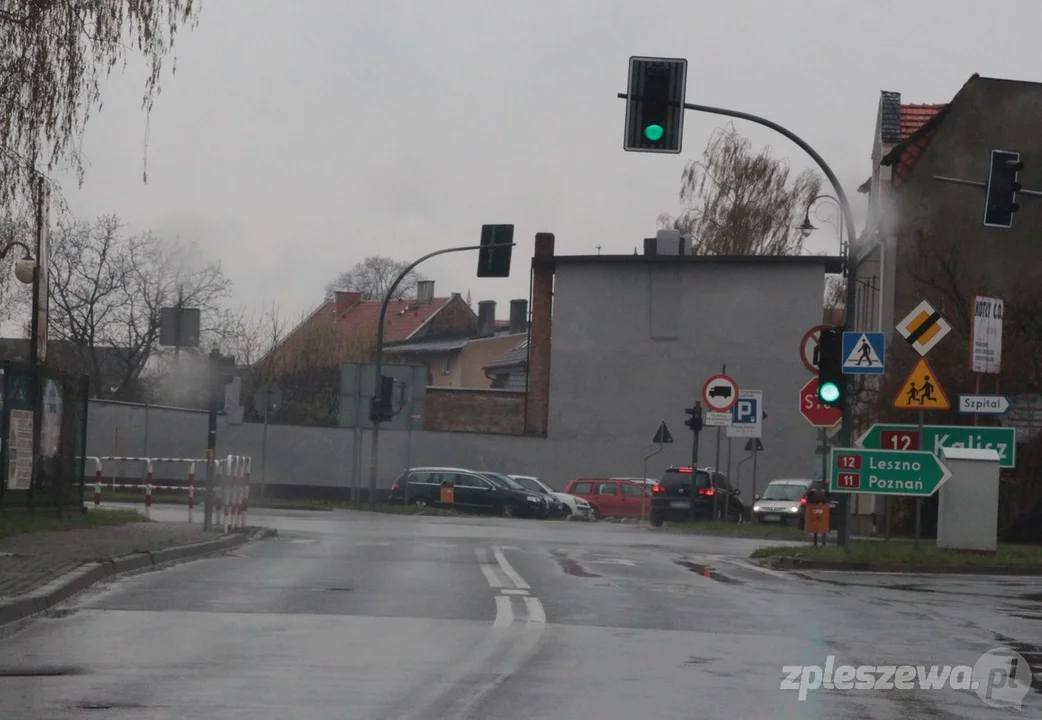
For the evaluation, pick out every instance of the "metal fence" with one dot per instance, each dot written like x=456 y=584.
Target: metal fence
x=43 y=436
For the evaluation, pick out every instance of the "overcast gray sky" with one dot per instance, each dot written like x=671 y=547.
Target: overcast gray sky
x=298 y=136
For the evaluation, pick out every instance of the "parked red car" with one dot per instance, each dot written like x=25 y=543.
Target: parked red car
x=613 y=497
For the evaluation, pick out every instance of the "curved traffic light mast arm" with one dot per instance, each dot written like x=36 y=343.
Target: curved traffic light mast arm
x=374 y=453
x=849 y=264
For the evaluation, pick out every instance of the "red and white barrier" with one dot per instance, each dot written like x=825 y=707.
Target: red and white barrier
x=231 y=486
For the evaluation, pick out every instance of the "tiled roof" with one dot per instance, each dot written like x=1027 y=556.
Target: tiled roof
x=512 y=358
x=914 y=117
x=404 y=317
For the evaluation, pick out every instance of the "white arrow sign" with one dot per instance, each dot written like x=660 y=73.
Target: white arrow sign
x=984 y=404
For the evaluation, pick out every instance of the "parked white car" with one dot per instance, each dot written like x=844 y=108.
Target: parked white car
x=575 y=507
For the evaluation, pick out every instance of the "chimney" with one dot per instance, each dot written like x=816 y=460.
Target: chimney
x=518 y=316
x=667 y=242
x=486 y=317
x=424 y=292
x=537 y=406
x=344 y=301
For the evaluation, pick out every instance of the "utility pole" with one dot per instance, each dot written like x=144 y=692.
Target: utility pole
x=221 y=372
x=695 y=423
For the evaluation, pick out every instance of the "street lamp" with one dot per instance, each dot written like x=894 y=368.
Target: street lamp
x=24 y=269
x=808 y=227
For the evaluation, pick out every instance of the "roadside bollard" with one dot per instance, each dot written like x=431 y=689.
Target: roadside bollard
x=226 y=496
x=97 y=483
x=148 y=491
x=246 y=491
x=191 y=491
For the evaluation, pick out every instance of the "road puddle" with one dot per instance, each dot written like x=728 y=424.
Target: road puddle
x=706 y=571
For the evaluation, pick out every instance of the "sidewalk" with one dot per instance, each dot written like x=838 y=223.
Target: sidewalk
x=38 y=570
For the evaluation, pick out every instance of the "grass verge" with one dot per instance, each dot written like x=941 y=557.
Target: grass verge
x=745 y=530
x=182 y=499
x=906 y=554
x=18 y=523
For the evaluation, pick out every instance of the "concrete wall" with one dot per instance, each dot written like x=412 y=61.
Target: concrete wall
x=633 y=344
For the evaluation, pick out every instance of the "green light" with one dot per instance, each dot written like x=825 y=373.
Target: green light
x=654 y=133
x=829 y=392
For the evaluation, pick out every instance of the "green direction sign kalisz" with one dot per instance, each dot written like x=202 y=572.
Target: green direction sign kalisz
x=1002 y=440
x=886 y=472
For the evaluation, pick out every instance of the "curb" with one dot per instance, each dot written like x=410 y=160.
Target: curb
x=793 y=563
x=62 y=588
x=288 y=506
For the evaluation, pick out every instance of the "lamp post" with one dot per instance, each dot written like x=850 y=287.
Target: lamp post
x=807 y=227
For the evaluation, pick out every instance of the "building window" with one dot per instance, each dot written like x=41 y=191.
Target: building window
x=447 y=365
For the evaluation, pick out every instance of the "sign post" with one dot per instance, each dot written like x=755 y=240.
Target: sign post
x=931 y=438
x=887 y=472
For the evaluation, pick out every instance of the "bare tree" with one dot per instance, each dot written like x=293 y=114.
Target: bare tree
x=741 y=202
x=55 y=53
x=373 y=277
x=107 y=291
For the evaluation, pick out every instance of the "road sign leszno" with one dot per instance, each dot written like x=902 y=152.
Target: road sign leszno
x=1002 y=440
x=921 y=390
x=813 y=411
x=887 y=472
x=720 y=393
x=923 y=328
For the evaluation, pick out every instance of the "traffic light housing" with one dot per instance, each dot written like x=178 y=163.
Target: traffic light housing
x=694 y=422
x=222 y=373
x=831 y=381
x=1003 y=185
x=497 y=242
x=655 y=95
x=381 y=407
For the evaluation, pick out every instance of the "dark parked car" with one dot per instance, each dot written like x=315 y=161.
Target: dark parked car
x=473 y=492
x=683 y=494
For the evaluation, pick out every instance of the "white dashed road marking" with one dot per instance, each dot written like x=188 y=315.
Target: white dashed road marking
x=534 y=612
x=509 y=571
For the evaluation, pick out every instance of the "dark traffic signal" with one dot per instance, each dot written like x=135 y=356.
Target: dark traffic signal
x=1003 y=186
x=694 y=422
x=381 y=407
x=831 y=382
x=497 y=241
x=222 y=373
x=655 y=96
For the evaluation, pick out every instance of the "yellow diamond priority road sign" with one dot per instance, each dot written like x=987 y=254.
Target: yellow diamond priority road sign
x=923 y=328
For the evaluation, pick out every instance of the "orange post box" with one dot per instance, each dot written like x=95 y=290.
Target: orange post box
x=816 y=521
x=448 y=493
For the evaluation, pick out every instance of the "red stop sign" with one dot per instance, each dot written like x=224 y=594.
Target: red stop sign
x=811 y=408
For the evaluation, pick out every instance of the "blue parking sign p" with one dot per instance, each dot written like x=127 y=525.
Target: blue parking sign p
x=745 y=411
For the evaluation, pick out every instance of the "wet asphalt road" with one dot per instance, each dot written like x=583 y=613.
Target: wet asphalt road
x=352 y=615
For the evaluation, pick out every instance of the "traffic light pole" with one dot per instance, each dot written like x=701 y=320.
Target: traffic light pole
x=846 y=434
x=374 y=451
x=211 y=443
x=694 y=463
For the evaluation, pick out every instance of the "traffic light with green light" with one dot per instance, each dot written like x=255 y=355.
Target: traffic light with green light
x=655 y=96
x=831 y=381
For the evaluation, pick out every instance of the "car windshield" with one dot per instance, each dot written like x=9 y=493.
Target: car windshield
x=530 y=484
x=784 y=491
x=676 y=478
x=503 y=481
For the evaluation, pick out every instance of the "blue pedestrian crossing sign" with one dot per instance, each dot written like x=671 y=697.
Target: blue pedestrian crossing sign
x=863 y=353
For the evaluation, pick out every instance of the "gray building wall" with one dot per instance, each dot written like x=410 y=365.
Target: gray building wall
x=633 y=344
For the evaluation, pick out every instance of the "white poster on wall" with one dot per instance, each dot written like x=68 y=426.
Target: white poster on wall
x=986 y=340
x=20 y=451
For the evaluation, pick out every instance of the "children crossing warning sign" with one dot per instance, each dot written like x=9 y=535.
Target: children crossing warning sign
x=921 y=391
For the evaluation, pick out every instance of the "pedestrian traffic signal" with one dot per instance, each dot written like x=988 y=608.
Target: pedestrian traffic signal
x=222 y=373
x=497 y=241
x=831 y=382
x=1003 y=186
x=695 y=421
x=655 y=105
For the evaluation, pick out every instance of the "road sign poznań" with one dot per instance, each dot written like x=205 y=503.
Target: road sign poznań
x=886 y=472
x=1002 y=440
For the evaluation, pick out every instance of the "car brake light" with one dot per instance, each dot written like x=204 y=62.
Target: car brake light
x=803 y=501
x=706 y=491
x=658 y=489
x=685 y=470
x=395 y=486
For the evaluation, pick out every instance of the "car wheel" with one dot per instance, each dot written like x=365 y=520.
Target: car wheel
x=566 y=511
x=507 y=510
x=656 y=520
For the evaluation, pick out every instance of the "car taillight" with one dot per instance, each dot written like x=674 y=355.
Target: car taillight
x=708 y=492
x=803 y=501
x=396 y=486
x=658 y=489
